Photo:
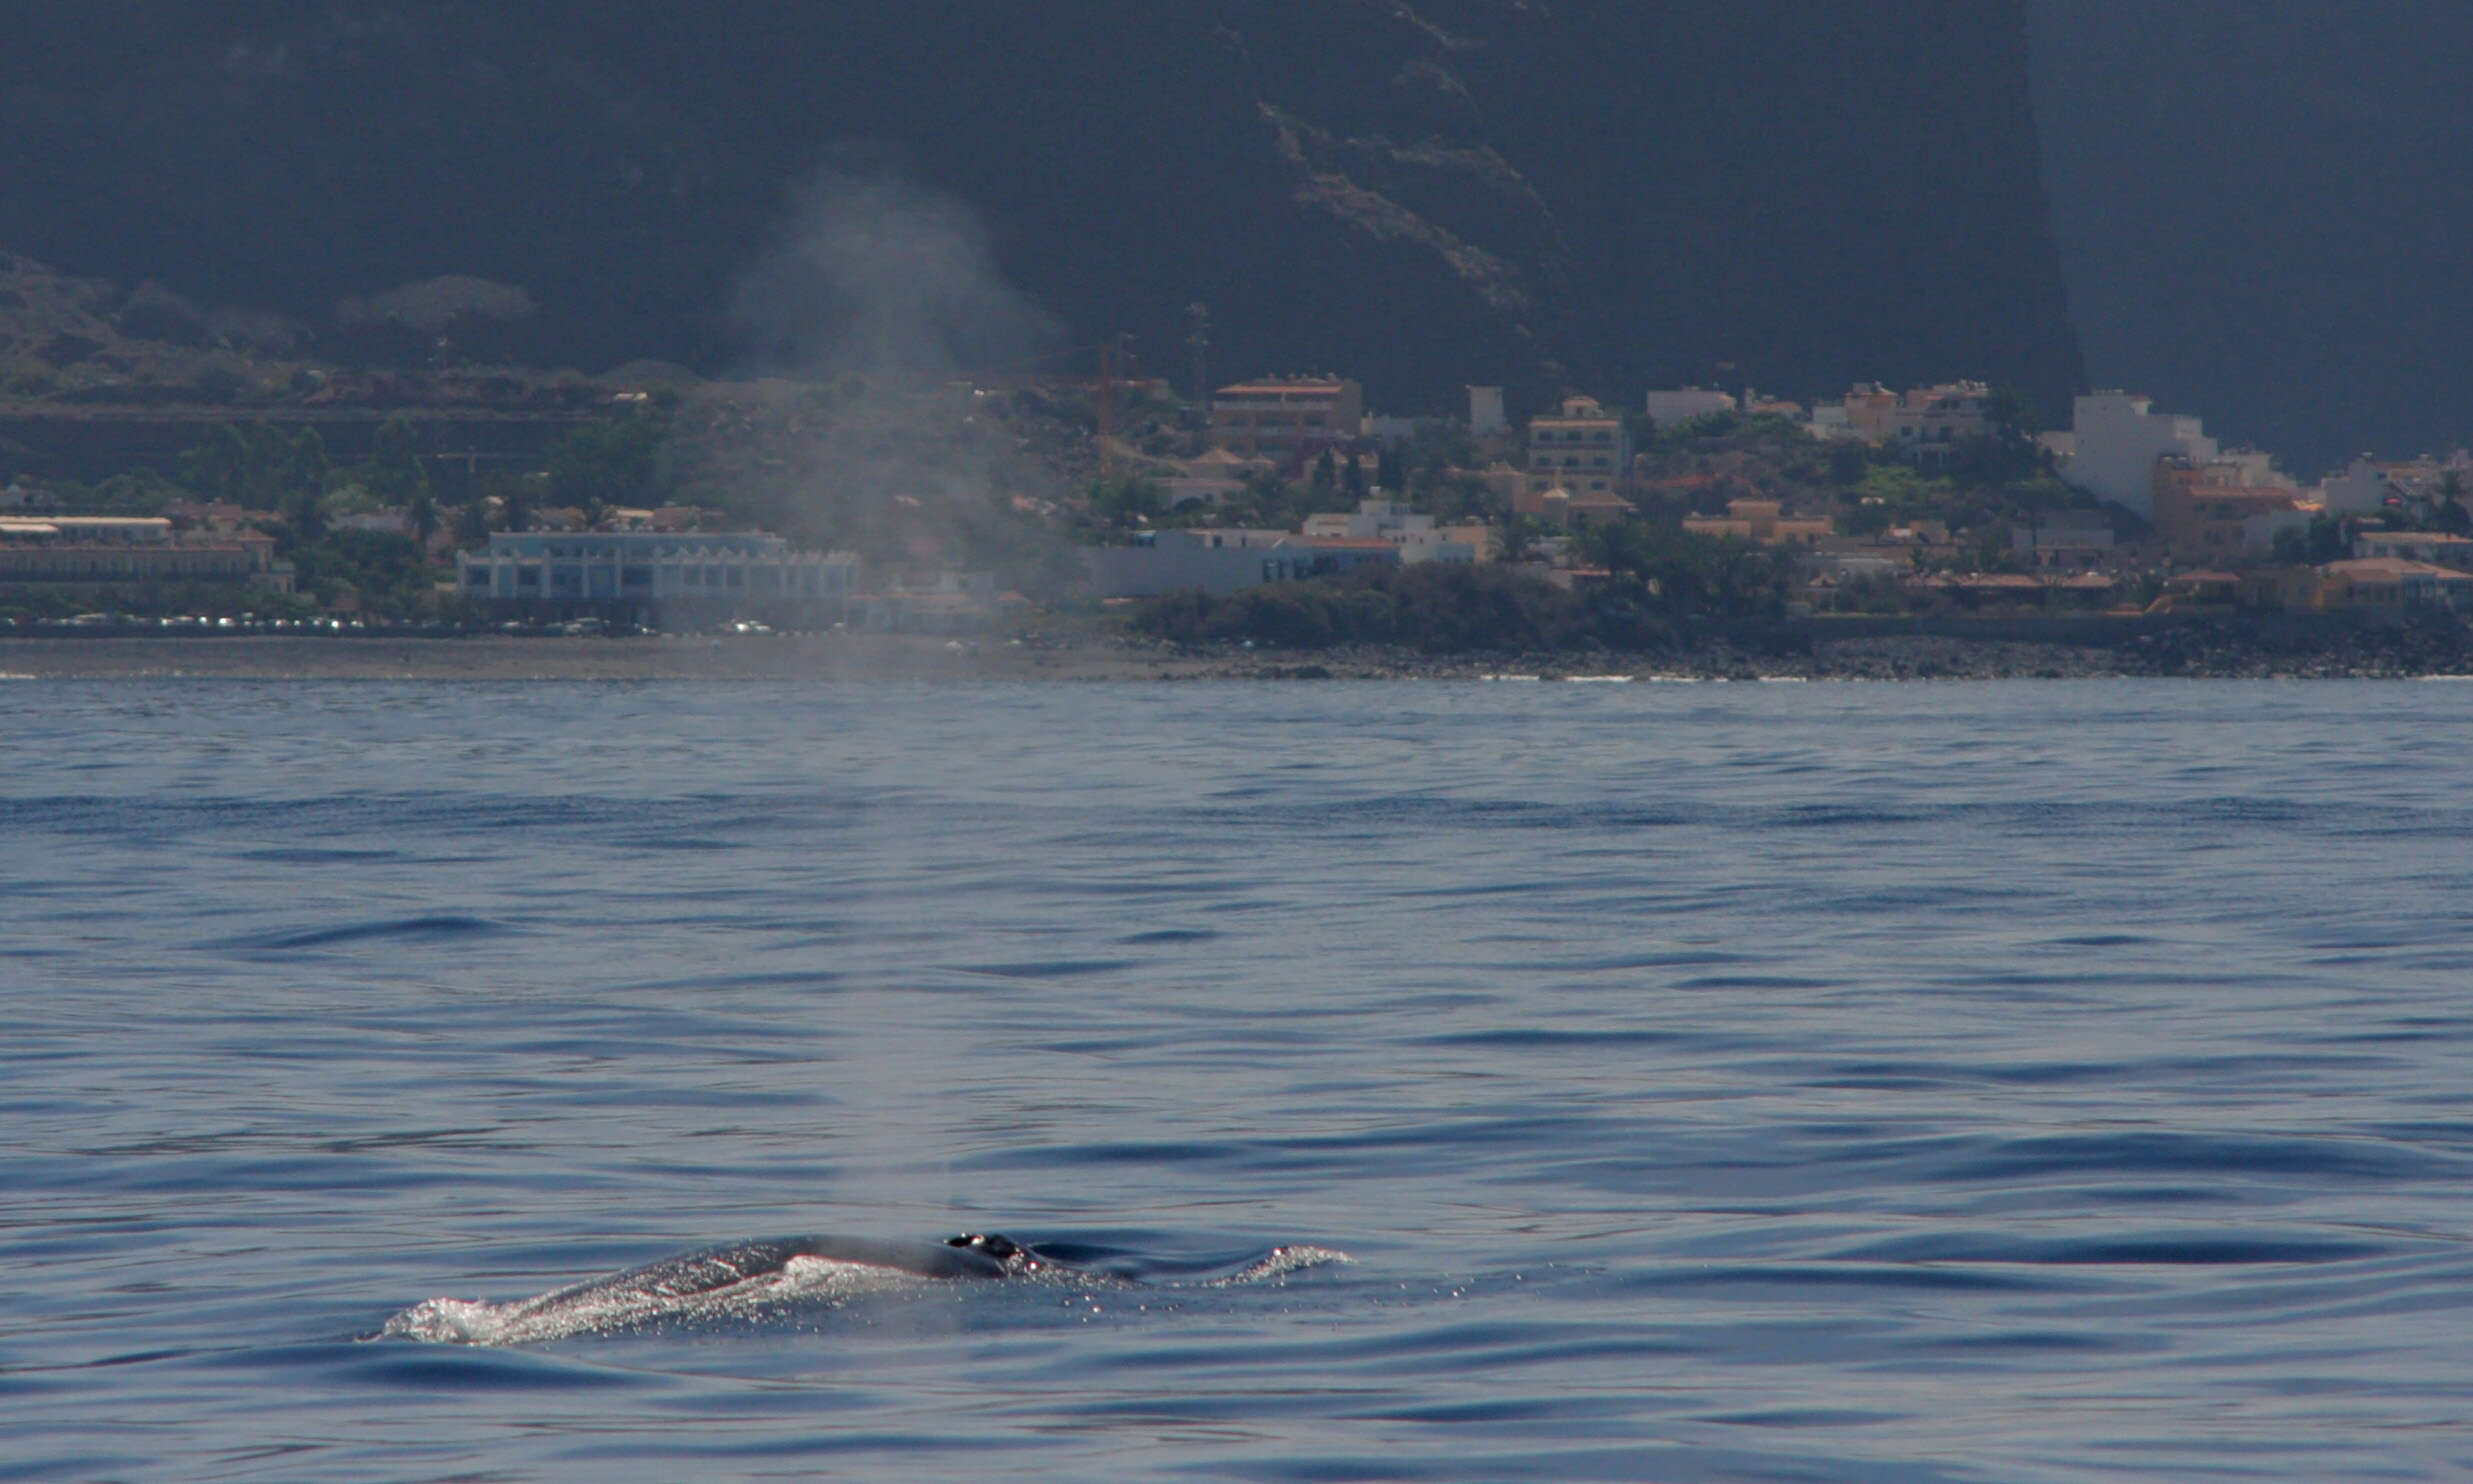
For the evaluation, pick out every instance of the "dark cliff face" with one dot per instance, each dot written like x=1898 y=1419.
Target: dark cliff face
x=1617 y=193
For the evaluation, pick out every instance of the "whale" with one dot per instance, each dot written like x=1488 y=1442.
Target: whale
x=741 y=1280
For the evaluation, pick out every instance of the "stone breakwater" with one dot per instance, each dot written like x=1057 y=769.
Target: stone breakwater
x=1818 y=650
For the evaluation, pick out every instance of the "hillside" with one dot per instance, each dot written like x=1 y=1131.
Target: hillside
x=1427 y=194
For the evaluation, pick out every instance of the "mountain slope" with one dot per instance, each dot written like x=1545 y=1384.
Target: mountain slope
x=1613 y=193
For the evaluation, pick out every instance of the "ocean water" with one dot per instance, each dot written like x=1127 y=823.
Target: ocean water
x=2017 y=1082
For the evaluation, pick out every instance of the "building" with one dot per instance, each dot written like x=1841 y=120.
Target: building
x=1581 y=448
x=1485 y=412
x=1287 y=420
x=2067 y=538
x=1756 y=405
x=1227 y=559
x=1925 y=424
x=1574 y=511
x=1830 y=423
x=938 y=603
x=105 y=556
x=1764 y=522
x=2417 y=546
x=2363 y=488
x=658 y=576
x=1669 y=409
x=2369 y=487
x=1416 y=536
x=2393 y=583
x=1213 y=477
x=2208 y=512
x=2115 y=441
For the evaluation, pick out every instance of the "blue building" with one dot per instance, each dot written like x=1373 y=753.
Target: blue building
x=658 y=577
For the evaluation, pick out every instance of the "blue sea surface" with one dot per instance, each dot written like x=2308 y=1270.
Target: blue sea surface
x=1992 y=1082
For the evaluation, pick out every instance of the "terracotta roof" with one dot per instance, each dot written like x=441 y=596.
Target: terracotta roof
x=2392 y=567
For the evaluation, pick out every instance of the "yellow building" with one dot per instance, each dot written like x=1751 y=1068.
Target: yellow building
x=2201 y=511
x=1583 y=449
x=1287 y=419
x=1762 y=521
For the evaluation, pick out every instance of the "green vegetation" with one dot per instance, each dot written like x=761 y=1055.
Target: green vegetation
x=1434 y=608
x=1660 y=579
x=616 y=462
x=383 y=573
x=1678 y=572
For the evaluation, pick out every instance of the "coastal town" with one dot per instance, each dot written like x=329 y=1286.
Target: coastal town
x=1254 y=510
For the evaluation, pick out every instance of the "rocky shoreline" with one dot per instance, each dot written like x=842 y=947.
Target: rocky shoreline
x=1819 y=652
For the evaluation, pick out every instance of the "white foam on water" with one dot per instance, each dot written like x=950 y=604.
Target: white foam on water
x=1280 y=1262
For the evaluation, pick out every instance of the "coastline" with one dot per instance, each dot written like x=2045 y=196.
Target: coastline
x=1979 y=651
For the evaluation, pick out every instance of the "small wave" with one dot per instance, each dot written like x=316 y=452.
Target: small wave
x=1058 y=968
x=410 y=928
x=1279 y=1262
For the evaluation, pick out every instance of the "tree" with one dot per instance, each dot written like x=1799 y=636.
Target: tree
x=394 y=472
x=1352 y=481
x=1326 y=473
x=614 y=462
x=256 y=466
x=306 y=517
x=515 y=507
x=310 y=468
x=1686 y=573
x=2450 y=515
x=1521 y=536
x=1130 y=501
x=1391 y=470
x=2328 y=540
x=423 y=516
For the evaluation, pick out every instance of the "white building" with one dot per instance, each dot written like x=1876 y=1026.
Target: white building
x=1830 y=423
x=2116 y=440
x=1682 y=404
x=1226 y=559
x=1417 y=537
x=1485 y=412
x=725 y=572
x=2431 y=547
x=2062 y=539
